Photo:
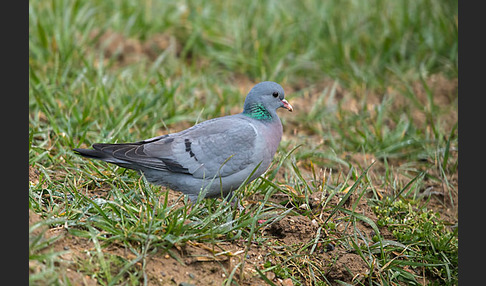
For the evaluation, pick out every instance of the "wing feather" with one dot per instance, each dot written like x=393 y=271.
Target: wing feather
x=217 y=147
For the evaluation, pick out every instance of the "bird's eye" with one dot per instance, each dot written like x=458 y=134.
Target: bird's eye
x=275 y=94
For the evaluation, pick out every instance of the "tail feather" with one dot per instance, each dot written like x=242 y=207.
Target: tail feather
x=127 y=155
x=100 y=155
x=91 y=153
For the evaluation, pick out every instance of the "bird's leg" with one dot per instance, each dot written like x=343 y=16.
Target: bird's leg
x=235 y=201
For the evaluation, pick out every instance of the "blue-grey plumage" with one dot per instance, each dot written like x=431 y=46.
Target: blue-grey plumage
x=216 y=155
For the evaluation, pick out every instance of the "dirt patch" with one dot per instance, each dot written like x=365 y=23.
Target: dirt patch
x=193 y=263
x=440 y=198
x=35 y=230
x=348 y=267
x=128 y=50
x=293 y=229
x=33 y=175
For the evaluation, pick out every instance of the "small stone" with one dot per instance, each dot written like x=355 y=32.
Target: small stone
x=67 y=256
x=329 y=247
x=270 y=275
x=186 y=284
x=287 y=282
x=304 y=206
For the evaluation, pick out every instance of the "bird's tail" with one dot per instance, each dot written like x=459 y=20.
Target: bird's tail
x=100 y=153
x=92 y=154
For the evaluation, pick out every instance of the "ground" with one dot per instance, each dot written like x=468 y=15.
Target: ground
x=194 y=263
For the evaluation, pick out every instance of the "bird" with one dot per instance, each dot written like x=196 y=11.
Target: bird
x=215 y=156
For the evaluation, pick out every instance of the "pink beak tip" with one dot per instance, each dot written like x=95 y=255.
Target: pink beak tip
x=287 y=105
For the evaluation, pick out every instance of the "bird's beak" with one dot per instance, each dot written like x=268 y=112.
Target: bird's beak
x=287 y=105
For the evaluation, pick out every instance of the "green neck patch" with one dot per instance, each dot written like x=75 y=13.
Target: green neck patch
x=257 y=111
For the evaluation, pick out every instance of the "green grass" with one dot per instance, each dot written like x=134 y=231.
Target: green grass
x=362 y=75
